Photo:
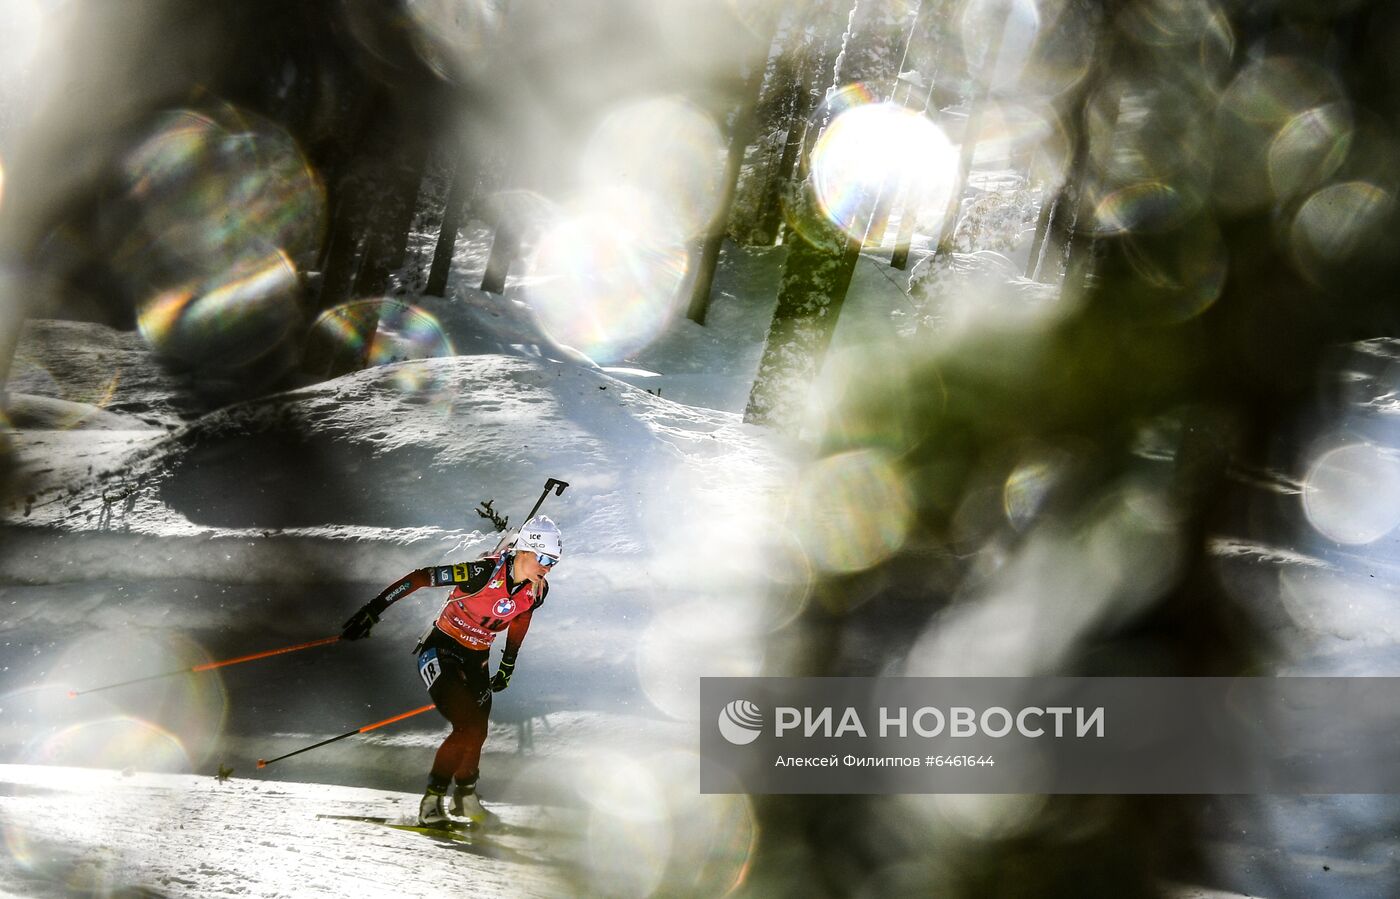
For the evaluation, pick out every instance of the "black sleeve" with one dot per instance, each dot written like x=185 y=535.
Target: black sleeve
x=470 y=576
x=398 y=590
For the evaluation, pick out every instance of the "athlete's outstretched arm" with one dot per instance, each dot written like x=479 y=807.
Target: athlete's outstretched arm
x=472 y=576
x=367 y=617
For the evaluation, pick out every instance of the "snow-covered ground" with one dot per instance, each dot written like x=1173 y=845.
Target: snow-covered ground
x=149 y=536
x=180 y=835
x=71 y=830
x=146 y=537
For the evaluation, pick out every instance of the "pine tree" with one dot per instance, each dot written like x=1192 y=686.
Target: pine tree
x=742 y=123
x=821 y=258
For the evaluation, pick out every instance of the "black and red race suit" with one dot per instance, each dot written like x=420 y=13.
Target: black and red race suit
x=452 y=659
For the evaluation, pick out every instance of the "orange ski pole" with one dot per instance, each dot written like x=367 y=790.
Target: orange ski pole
x=263 y=763
x=210 y=666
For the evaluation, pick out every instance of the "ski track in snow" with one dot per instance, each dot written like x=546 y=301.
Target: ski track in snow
x=184 y=836
x=73 y=830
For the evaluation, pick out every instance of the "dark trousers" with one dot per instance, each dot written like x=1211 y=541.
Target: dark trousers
x=461 y=690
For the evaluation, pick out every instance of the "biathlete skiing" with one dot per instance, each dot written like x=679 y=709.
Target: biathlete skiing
x=499 y=592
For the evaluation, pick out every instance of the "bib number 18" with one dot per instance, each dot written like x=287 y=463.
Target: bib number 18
x=429 y=668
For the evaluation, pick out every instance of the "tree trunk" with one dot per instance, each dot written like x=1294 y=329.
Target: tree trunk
x=387 y=235
x=1048 y=207
x=796 y=109
x=779 y=165
x=970 y=138
x=447 y=235
x=819 y=266
x=815 y=280
x=504 y=248
x=931 y=15
x=376 y=195
x=740 y=136
x=1073 y=210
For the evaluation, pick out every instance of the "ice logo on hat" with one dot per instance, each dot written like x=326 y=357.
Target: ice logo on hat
x=741 y=722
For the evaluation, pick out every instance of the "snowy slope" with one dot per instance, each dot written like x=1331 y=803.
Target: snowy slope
x=266 y=522
x=175 y=538
x=176 y=835
x=396 y=456
x=96 y=366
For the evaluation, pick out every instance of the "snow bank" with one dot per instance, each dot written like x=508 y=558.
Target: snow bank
x=180 y=835
x=376 y=470
x=94 y=365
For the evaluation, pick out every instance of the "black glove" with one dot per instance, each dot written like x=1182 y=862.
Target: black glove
x=360 y=623
x=502 y=677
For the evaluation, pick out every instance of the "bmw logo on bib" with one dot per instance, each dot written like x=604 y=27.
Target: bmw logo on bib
x=504 y=607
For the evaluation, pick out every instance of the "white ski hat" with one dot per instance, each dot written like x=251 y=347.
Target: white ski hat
x=540 y=535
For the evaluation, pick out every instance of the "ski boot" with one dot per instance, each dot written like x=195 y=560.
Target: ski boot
x=430 y=810
x=466 y=806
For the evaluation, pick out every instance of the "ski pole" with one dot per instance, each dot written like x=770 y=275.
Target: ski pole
x=558 y=488
x=208 y=666
x=263 y=763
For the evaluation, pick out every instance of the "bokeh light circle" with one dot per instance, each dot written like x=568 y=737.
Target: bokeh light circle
x=667 y=150
x=715 y=834
x=1310 y=148
x=118 y=742
x=21 y=30
x=1046 y=45
x=1278 y=126
x=1351 y=494
x=1179 y=274
x=1031 y=482
x=629 y=833
x=189 y=708
x=757 y=575
x=851 y=510
x=679 y=646
x=1166 y=23
x=993 y=816
x=787 y=581
x=881 y=152
x=454 y=37
x=368 y=333
x=623 y=787
x=214 y=188
x=228 y=319
x=1338 y=222
x=1147 y=206
x=1272 y=90
x=1007 y=27
x=607 y=279
x=1150 y=141
x=220 y=211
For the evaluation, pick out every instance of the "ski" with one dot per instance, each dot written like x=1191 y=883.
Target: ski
x=470 y=839
x=449 y=827
x=461 y=830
